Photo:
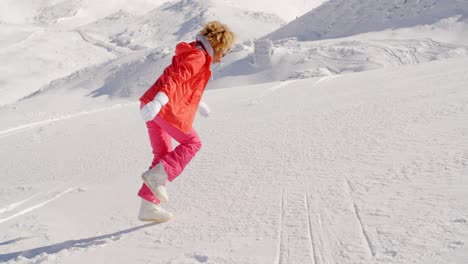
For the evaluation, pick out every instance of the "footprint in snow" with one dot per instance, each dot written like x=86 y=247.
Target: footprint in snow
x=456 y=244
x=189 y=259
x=201 y=258
x=390 y=253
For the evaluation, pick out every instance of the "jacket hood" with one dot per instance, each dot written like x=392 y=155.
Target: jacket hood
x=184 y=47
x=206 y=45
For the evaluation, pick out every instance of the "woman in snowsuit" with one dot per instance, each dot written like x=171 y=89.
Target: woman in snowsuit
x=168 y=107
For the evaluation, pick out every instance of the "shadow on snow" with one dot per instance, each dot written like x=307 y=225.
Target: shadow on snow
x=69 y=244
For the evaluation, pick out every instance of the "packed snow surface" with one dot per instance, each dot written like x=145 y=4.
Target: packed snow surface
x=338 y=134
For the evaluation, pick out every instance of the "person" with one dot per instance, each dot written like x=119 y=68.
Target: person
x=169 y=106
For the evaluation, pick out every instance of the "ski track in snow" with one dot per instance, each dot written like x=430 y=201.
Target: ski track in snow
x=334 y=154
x=17 y=204
x=296 y=241
x=22 y=128
x=39 y=205
x=282 y=85
x=268 y=91
x=320 y=243
x=276 y=87
x=309 y=224
x=361 y=223
x=319 y=222
x=310 y=227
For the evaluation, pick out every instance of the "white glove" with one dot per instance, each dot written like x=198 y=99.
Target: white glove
x=204 y=109
x=151 y=109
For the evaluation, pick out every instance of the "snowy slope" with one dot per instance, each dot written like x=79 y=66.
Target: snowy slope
x=181 y=20
x=55 y=39
x=286 y=9
x=361 y=168
x=339 y=18
x=323 y=150
x=351 y=36
x=102 y=53
x=130 y=74
x=68 y=11
x=41 y=45
x=292 y=59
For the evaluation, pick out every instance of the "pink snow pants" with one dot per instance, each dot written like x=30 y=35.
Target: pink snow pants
x=174 y=161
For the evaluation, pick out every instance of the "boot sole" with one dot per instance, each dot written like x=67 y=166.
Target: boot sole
x=154 y=220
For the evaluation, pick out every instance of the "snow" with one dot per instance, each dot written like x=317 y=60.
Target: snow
x=351 y=148
x=337 y=18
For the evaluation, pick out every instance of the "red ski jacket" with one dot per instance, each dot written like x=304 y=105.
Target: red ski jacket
x=184 y=82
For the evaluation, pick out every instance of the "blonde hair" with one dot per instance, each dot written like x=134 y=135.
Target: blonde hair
x=219 y=35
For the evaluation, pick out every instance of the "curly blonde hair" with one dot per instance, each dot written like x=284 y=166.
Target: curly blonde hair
x=219 y=35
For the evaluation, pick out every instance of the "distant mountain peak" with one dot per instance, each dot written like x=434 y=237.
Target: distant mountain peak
x=342 y=18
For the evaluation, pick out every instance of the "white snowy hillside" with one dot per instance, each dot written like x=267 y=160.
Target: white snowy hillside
x=139 y=54
x=374 y=34
x=48 y=40
x=360 y=168
x=39 y=41
x=20 y=12
x=286 y=9
x=339 y=136
x=338 y=18
x=180 y=21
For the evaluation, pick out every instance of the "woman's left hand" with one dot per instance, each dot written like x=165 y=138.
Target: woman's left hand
x=204 y=109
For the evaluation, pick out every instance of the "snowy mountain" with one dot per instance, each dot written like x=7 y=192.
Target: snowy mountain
x=354 y=36
x=128 y=48
x=42 y=45
x=54 y=34
x=180 y=21
x=338 y=18
x=342 y=137
x=360 y=168
x=73 y=12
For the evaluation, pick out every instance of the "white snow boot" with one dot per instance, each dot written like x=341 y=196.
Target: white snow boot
x=152 y=212
x=155 y=180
